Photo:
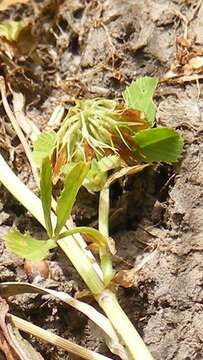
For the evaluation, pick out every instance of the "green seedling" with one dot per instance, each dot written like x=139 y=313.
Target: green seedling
x=98 y=142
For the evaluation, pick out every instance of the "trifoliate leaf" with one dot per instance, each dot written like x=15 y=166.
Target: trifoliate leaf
x=72 y=183
x=25 y=246
x=43 y=146
x=46 y=193
x=138 y=95
x=12 y=29
x=159 y=144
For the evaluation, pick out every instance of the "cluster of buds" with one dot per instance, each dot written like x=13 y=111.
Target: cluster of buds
x=98 y=128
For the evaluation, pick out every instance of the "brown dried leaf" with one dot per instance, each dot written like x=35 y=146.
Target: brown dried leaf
x=137 y=118
x=6 y=345
x=188 y=62
x=124 y=151
x=182 y=79
x=111 y=246
x=89 y=152
x=24 y=348
x=59 y=158
x=125 y=278
x=196 y=63
x=13 y=345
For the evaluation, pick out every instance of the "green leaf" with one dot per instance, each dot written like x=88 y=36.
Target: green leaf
x=96 y=178
x=66 y=169
x=43 y=146
x=96 y=236
x=109 y=162
x=106 y=265
x=138 y=95
x=12 y=29
x=72 y=183
x=97 y=174
x=46 y=193
x=160 y=144
x=25 y=246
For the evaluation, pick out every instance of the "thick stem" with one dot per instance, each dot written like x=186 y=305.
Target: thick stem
x=135 y=345
x=82 y=264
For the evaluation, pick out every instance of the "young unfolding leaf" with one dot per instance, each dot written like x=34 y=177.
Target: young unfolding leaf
x=138 y=95
x=109 y=162
x=43 y=146
x=46 y=193
x=25 y=246
x=159 y=144
x=72 y=183
x=96 y=178
x=97 y=174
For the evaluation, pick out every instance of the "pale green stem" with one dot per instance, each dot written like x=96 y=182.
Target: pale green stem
x=104 y=211
x=136 y=346
x=82 y=264
x=105 y=256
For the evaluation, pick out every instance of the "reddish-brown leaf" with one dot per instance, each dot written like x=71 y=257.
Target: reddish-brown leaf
x=89 y=152
x=59 y=158
x=135 y=116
